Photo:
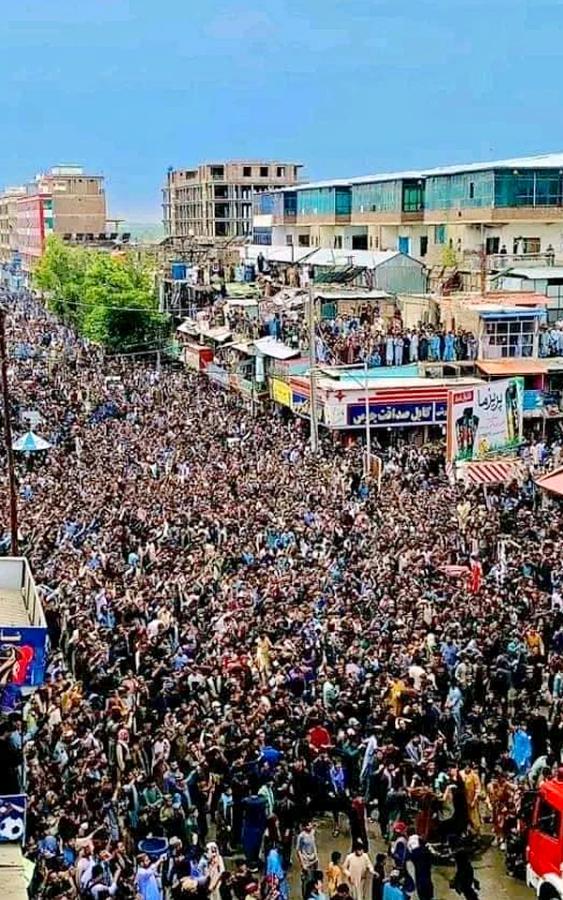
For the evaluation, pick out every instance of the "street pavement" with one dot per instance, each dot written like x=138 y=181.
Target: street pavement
x=489 y=868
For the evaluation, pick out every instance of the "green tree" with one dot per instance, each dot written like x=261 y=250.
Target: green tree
x=110 y=299
x=60 y=274
x=449 y=257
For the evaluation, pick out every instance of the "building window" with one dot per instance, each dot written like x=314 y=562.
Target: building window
x=492 y=246
x=413 y=196
x=217 y=172
x=548 y=819
x=289 y=240
x=304 y=240
x=423 y=245
x=264 y=171
x=507 y=338
x=247 y=171
x=338 y=242
x=281 y=171
x=439 y=234
x=524 y=245
x=471 y=190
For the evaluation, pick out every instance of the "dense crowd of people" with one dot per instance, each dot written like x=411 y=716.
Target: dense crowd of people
x=366 y=335
x=247 y=639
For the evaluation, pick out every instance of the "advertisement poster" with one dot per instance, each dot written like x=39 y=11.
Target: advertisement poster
x=485 y=419
x=12 y=818
x=23 y=653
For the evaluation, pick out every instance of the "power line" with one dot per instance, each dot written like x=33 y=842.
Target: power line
x=109 y=306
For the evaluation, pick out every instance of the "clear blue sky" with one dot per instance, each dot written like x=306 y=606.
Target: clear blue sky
x=129 y=87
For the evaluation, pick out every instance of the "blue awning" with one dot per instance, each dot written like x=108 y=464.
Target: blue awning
x=514 y=313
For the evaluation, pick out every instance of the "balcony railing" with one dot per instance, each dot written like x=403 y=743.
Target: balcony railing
x=495 y=262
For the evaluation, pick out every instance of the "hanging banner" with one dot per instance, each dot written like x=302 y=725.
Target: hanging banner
x=485 y=419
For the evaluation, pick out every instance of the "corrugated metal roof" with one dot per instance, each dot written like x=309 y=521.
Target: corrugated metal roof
x=356 y=294
x=275 y=349
x=543 y=161
x=364 y=258
x=188 y=327
x=506 y=312
x=506 y=367
x=276 y=253
x=216 y=334
x=378 y=383
x=534 y=273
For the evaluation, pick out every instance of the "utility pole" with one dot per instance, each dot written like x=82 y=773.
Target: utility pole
x=312 y=382
x=8 y=435
x=483 y=263
x=368 y=423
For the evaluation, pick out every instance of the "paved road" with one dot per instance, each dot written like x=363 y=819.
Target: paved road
x=495 y=883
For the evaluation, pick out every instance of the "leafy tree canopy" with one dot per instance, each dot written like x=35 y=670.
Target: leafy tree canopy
x=110 y=299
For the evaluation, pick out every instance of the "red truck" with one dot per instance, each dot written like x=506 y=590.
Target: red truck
x=544 y=852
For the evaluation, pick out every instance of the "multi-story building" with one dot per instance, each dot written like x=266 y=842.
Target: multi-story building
x=63 y=201
x=214 y=200
x=506 y=210
x=8 y=217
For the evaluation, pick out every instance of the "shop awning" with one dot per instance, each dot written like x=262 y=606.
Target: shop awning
x=188 y=327
x=275 y=349
x=552 y=482
x=505 y=368
x=216 y=334
x=242 y=347
x=490 y=472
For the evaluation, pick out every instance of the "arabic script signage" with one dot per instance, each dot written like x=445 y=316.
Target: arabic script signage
x=396 y=414
x=485 y=419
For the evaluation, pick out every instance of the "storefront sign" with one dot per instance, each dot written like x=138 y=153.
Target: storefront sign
x=397 y=414
x=281 y=391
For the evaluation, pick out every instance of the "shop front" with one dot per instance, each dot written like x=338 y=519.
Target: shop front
x=415 y=408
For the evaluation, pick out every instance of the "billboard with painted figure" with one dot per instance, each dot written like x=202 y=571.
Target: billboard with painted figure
x=23 y=628
x=485 y=420
x=23 y=654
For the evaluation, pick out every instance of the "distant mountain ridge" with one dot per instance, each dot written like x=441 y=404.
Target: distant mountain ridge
x=144 y=231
